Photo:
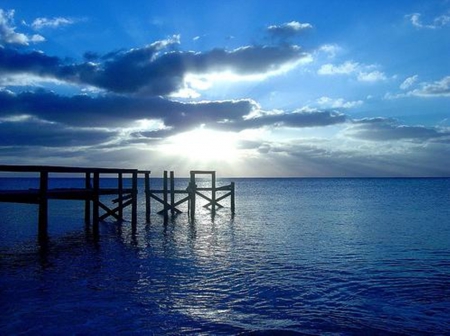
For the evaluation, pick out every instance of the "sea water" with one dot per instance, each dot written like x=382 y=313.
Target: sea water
x=306 y=256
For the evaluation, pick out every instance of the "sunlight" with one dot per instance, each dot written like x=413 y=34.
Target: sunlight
x=204 y=145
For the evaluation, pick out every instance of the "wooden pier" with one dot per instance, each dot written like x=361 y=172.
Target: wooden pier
x=168 y=192
x=95 y=210
x=91 y=193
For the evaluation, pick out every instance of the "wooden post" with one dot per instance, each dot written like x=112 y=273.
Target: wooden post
x=87 y=202
x=120 y=191
x=172 y=193
x=232 y=197
x=134 y=202
x=43 y=206
x=192 y=188
x=213 y=193
x=147 y=197
x=165 y=194
x=96 y=204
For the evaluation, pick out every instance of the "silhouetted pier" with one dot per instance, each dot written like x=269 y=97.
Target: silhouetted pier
x=125 y=197
x=168 y=192
x=91 y=193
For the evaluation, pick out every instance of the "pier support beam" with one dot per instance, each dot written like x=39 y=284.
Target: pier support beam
x=87 y=201
x=172 y=193
x=147 y=197
x=96 y=205
x=166 y=208
x=120 y=195
x=134 y=201
x=232 y=197
x=43 y=206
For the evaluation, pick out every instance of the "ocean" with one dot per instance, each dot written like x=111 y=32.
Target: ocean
x=300 y=256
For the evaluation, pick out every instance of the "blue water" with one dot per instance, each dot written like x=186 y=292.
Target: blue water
x=307 y=256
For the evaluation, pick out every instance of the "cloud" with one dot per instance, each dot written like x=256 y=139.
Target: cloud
x=408 y=82
x=364 y=73
x=343 y=69
x=440 y=88
x=373 y=76
x=30 y=131
x=338 y=103
x=330 y=49
x=297 y=119
x=8 y=34
x=41 y=23
x=436 y=89
x=287 y=30
x=437 y=22
x=118 y=110
x=156 y=69
x=385 y=129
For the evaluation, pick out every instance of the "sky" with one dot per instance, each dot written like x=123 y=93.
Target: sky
x=301 y=88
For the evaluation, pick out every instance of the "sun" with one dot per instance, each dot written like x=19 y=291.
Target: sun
x=203 y=145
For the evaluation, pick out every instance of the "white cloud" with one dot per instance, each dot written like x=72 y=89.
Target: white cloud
x=343 y=69
x=338 y=103
x=8 y=34
x=287 y=30
x=330 y=49
x=364 y=73
x=440 y=88
x=437 y=22
x=408 y=82
x=293 y=26
x=40 y=23
x=373 y=76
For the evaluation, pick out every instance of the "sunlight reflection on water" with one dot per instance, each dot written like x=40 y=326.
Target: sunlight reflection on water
x=332 y=256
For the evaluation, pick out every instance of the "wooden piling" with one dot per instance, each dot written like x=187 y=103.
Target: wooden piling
x=232 y=197
x=134 y=201
x=120 y=195
x=147 y=196
x=43 y=206
x=96 y=204
x=165 y=194
x=172 y=193
x=87 y=201
x=213 y=193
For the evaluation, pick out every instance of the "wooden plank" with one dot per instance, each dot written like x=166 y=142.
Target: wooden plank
x=123 y=198
x=20 y=196
x=109 y=212
x=62 y=169
x=116 y=209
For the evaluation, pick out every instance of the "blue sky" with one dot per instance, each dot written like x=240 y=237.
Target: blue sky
x=247 y=88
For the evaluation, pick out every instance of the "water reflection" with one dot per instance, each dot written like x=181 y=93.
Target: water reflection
x=299 y=267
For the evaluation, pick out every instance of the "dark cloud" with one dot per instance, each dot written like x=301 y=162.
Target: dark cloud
x=36 y=63
x=296 y=119
x=148 y=70
x=122 y=111
x=117 y=110
x=385 y=129
x=33 y=132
